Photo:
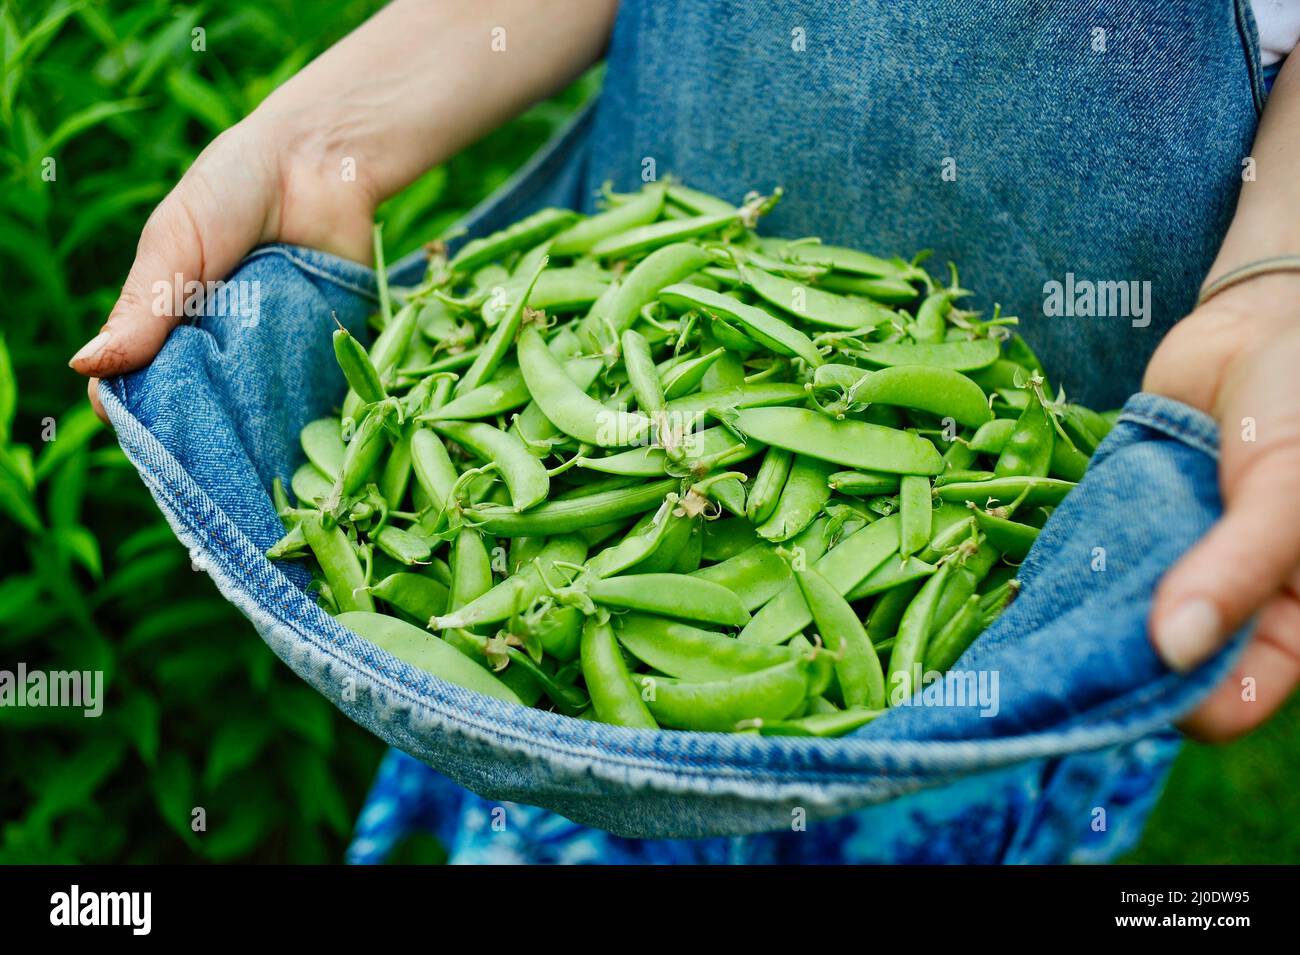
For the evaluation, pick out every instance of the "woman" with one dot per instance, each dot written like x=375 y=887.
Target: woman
x=1038 y=146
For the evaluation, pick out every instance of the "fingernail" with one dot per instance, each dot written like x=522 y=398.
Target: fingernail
x=90 y=349
x=1189 y=634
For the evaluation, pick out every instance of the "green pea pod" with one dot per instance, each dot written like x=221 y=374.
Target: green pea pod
x=322 y=442
x=757 y=395
x=533 y=427
x=915 y=514
x=362 y=376
x=719 y=705
x=956 y=356
x=641 y=373
x=992 y=436
x=844 y=565
x=292 y=544
x=671 y=549
x=563 y=517
x=423 y=651
x=887 y=612
x=516 y=594
x=803 y=496
x=338 y=562
x=568 y=407
x=861 y=679
x=913 y=634
x=640 y=210
x=686 y=376
x=730 y=493
x=890 y=574
x=523 y=234
x=499 y=342
x=395 y=477
x=309 y=486
x=637 y=546
x=766 y=329
x=364 y=450
x=888 y=291
x=726 y=538
x=403 y=546
x=687 y=652
x=812 y=304
x=1038 y=491
x=523 y=473
x=768 y=482
x=417 y=596
x=560 y=633
x=717 y=445
x=432 y=467
x=698 y=203
x=1028 y=451
x=932 y=317
x=955 y=636
x=658 y=234
x=863 y=483
x=845 y=260
x=660 y=268
x=471 y=569
x=1009 y=537
x=836 y=723
x=940 y=391
x=854 y=444
x=1068 y=462
x=671 y=595
x=614 y=696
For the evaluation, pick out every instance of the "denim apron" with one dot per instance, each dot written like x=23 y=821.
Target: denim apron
x=1130 y=150
x=1092 y=148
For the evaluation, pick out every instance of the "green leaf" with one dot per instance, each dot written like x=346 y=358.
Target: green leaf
x=200 y=100
x=184 y=617
x=139 y=715
x=15 y=498
x=92 y=217
x=80 y=544
x=317 y=795
x=17 y=593
x=172 y=41
x=71 y=435
x=300 y=709
x=72 y=781
x=8 y=393
x=234 y=747
x=79 y=122
x=173 y=791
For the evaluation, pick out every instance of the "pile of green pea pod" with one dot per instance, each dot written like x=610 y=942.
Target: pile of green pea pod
x=651 y=468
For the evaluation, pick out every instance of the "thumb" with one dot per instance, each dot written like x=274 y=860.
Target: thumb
x=1255 y=547
x=199 y=232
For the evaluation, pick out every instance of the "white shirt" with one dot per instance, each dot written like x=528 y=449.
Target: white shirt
x=1278 y=22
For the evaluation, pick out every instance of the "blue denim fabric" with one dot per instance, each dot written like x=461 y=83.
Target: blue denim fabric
x=1084 y=705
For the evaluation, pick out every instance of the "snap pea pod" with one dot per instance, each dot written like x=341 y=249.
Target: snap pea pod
x=844 y=565
x=992 y=436
x=863 y=483
x=567 y=406
x=768 y=483
x=757 y=395
x=659 y=269
x=322 y=442
x=758 y=573
x=1037 y=491
x=803 y=495
x=854 y=444
x=913 y=634
x=672 y=595
x=523 y=473
x=687 y=376
x=615 y=698
x=1028 y=451
x=932 y=317
x=309 y=486
x=887 y=613
x=563 y=517
x=719 y=705
x=861 y=679
x=690 y=653
x=640 y=210
x=726 y=538
x=1068 y=462
x=915 y=514
x=641 y=372
x=364 y=450
x=844 y=260
x=404 y=547
x=835 y=723
x=1010 y=537
x=888 y=291
x=812 y=304
x=499 y=342
x=362 y=376
x=940 y=391
x=955 y=636
x=655 y=235
x=338 y=562
x=890 y=574
x=386 y=352
x=955 y=356
x=763 y=327
x=417 y=596
x=516 y=593
x=523 y=234
x=412 y=645
x=698 y=203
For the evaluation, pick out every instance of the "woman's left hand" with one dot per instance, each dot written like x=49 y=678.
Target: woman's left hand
x=1238 y=358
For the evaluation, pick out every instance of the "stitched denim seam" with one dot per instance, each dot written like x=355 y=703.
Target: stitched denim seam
x=320 y=271
x=676 y=767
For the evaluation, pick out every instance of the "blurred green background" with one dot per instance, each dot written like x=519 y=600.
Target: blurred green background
x=199 y=712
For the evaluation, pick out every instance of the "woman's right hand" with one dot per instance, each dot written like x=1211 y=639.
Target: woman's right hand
x=414 y=84
x=257 y=182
